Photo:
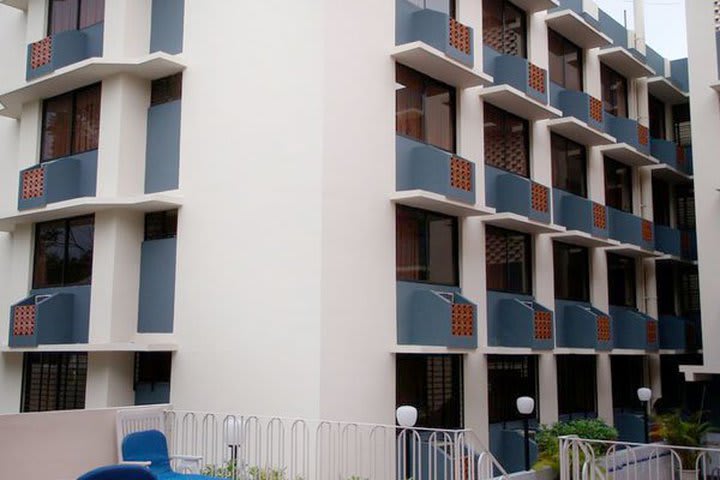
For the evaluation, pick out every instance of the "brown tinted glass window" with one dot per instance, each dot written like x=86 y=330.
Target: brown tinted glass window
x=159 y=225
x=71 y=123
x=91 y=12
x=566 y=62
x=54 y=381
x=63 y=252
x=577 y=386
x=504 y=27
x=657 y=117
x=572 y=272
x=167 y=89
x=614 y=92
x=506 y=140
x=621 y=280
x=424 y=109
x=67 y=15
x=508 y=258
x=618 y=185
x=569 y=161
x=152 y=367
x=87 y=119
x=510 y=377
x=661 y=202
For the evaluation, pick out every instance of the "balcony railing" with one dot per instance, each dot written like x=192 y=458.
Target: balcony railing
x=628 y=228
x=626 y=130
x=435 y=315
x=518 y=73
x=633 y=329
x=672 y=154
x=423 y=167
x=679 y=243
x=580 y=105
x=508 y=192
x=518 y=321
x=580 y=325
x=63 y=49
x=578 y=213
x=677 y=333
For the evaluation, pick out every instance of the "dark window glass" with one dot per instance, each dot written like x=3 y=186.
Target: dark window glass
x=424 y=108
x=685 y=207
x=577 y=385
x=434 y=385
x=569 y=161
x=504 y=27
x=54 y=381
x=621 y=280
x=572 y=272
x=152 y=367
x=159 y=225
x=681 y=124
x=166 y=89
x=71 y=123
x=628 y=374
x=676 y=392
x=665 y=281
x=657 y=117
x=614 y=91
x=507 y=141
x=510 y=377
x=67 y=15
x=618 y=185
x=566 y=62
x=508 y=257
x=63 y=252
x=689 y=290
x=661 y=202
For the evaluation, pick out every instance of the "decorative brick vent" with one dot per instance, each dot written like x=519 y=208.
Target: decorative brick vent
x=539 y=198
x=536 y=78
x=33 y=183
x=643 y=134
x=543 y=326
x=459 y=36
x=41 y=53
x=599 y=216
x=462 y=319
x=461 y=174
x=24 y=320
x=603 y=328
x=647 y=231
x=651 y=332
x=596 y=109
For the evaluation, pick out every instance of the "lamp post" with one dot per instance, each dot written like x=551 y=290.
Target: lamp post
x=644 y=394
x=406 y=417
x=233 y=438
x=525 y=406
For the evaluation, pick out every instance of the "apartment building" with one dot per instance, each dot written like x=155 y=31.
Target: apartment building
x=207 y=203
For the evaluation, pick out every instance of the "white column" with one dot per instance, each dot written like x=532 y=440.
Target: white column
x=604 y=388
x=36 y=21
x=109 y=380
x=476 y=395
x=127 y=28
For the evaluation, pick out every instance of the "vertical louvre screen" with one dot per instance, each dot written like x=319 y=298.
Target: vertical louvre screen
x=685 y=203
x=54 y=381
x=167 y=89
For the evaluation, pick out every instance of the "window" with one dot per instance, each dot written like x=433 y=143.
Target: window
x=657 y=117
x=152 y=367
x=689 y=290
x=566 y=62
x=661 y=202
x=54 y=381
x=665 y=275
x=685 y=207
x=63 y=252
x=74 y=14
x=434 y=385
x=628 y=374
x=424 y=108
x=621 y=280
x=510 y=377
x=507 y=141
x=681 y=124
x=71 y=123
x=504 y=27
x=445 y=6
x=508 y=257
x=159 y=225
x=166 y=89
x=572 y=272
x=614 y=91
x=569 y=161
x=618 y=185
x=577 y=387
x=426 y=246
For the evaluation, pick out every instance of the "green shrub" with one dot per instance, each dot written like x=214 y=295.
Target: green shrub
x=690 y=432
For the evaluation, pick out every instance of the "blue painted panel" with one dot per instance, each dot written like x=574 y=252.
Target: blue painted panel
x=673 y=332
x=627 y=228
x=630 y=426
x=665 y=151
x=489 y=57
x=679 y=73
x=508 y=192
x=157 y=286
x=625 y=130
x=630 y=328
x=577 y=325
x=655 y=61
x=167 y=26
x=613 y=29
x=510 y=318
x=507 y=444
x=514 y=71
x=94 y=40
x=423 y=167
x=152 y=393
x=555 y=91
x=162 y=157
x=577 y=104
x=667 y=240
x=69 y=47
x=572 y=211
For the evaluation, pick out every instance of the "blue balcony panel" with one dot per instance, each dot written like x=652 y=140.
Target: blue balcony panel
x=162 y=150
x=675 y=242
x=57 y=180
x=679 y=74
x=582 y=106
x=518 y=73
x=630 y=426
x=51 y=316
x=63 y=49
x=516 y=320
x=156 y=301
x=508 y=192
x=435 y=315
x=572 y=22
x=677 y=333
x=633 y=329
x=166 y=26
x=628 y=228
x=626 y=130
x=580 y=325
x=507 y=444
x=152 y=393
x=578 y=213
x=671 y=154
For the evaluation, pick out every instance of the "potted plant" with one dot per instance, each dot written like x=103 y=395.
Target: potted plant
x=676 y=430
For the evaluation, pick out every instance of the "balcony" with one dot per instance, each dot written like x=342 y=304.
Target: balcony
x=633 y=329
x=628 y=228
x=515 y=320
x=678 y=333
x=436 y=44
x=585 y=220
x=620 y=55
x=583 y=117
x=62 y=179
x=672 y=155
x=51 y=316
x=675 y=242
x=669 y=85
x=435 y=315
x=572 y=22
x=633 y=141
x=532 y=6
x=433 y=179
x=63 y=49
x=580 y=325
x=520 y=87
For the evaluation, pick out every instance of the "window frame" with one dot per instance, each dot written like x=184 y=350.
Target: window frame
x=611 y=162
x=632 y=282
x=528 y=260
x=567 y=45
x=505 y=5
x=505 y=411
x=78 y=18
x=585 y=297
x=656 y=113
x=614 y=75
x=567 y=144
x=61 y=361
x=567 y=384
x=169 y=220
x=506 y=132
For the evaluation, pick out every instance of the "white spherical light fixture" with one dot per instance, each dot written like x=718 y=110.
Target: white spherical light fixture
x=406 y=416
x=525 y=405
x=232 y=431
x=644 y=394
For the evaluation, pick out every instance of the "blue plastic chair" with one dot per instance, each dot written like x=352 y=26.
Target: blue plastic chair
x=119 y=472
x=151 y=446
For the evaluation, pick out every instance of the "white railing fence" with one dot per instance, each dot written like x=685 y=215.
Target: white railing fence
x=582 y=459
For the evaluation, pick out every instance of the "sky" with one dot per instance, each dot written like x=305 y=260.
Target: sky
x=664 y=23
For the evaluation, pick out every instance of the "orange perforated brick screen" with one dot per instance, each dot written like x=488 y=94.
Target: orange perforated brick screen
x=24 y=320
x=643 y=134
x=599 y=216
x=543 y=326
x=33 y=183
x=596 y=109
x=651 y=332
x=461 y=174
x=41 y=53
x=459 y=36
x=647 y=230
x=536 y=78
x=603 y=329
x=539 y=198
x=462 y=319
